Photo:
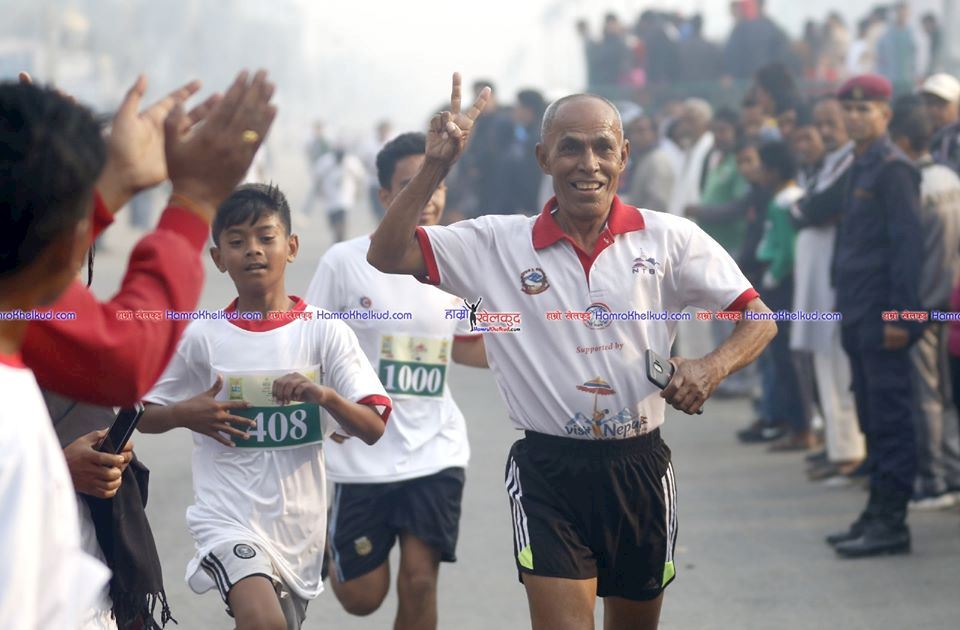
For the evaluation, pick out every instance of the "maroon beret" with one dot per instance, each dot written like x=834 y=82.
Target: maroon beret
x=866 y=87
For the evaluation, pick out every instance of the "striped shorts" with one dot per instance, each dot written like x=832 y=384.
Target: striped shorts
x=230 y=562
x=603 y=509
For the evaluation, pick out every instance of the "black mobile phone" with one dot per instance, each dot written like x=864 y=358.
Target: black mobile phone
x=121 y=430
x=660 y=371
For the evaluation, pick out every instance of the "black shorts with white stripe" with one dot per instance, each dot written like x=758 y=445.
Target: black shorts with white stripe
x=602 y=509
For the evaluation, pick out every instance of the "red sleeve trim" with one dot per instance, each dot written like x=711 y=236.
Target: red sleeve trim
x=741 y=302
x=378 y=401
x=429 y=259
x=187 y=224
x=472 y=337
x=12 y=360
x=102 y=217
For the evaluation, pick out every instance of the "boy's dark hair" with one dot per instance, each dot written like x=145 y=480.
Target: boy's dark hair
x=776 y=156
x=51 y=153
x=247 y=204
x=910 y=121
x=404 y=145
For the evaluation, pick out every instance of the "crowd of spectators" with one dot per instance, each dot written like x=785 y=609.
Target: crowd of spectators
x=666 y=50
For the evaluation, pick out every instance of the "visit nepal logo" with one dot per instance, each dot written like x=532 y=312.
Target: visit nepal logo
x=600 y=424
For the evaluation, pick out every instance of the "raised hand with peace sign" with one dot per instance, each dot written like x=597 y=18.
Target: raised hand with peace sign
x=450 y=130
x=393 y=248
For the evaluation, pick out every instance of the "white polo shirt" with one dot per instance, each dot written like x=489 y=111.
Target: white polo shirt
x=426 y=432
x=582 y=379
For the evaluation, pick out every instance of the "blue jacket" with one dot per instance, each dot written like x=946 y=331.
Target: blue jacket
x=879 y=242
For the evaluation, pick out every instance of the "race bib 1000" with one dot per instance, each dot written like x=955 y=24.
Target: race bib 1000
x=413 y=366
x=278 y=426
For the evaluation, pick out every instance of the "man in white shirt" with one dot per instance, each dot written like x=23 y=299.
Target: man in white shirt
x=591 y=488
x=407 y=486
x=695 y=118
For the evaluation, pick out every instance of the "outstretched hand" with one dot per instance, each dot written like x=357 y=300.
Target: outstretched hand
x=450 y=130
x=210 y=149
x=135 y=147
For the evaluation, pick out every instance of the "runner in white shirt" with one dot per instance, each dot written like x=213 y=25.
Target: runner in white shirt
x=53 y=154
x=259 y=520
x=408 y=485
x=591 y=488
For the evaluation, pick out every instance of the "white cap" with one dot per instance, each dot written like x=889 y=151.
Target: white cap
x=943 y=85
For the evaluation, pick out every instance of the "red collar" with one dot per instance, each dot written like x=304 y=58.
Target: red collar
x=621 y=219
x=263 y=325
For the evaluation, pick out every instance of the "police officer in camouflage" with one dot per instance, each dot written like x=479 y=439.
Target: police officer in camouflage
x=876 y=266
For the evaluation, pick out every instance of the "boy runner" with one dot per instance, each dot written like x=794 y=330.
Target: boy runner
x=259 y=521
x=409 y=485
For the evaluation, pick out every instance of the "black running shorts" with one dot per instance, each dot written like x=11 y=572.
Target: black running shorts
x=602 y=509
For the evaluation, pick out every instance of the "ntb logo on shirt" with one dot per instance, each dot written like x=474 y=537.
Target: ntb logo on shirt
x=644 y=264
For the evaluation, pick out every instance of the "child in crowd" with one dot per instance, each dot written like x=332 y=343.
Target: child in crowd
x=778 y=171
x=258 y=394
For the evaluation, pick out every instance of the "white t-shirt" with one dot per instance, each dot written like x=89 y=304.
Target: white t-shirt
x=575 y=378
x=273 y=496
x=46 y=580
x=426 y=432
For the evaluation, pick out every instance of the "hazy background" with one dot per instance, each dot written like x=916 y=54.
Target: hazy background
x=349 y=64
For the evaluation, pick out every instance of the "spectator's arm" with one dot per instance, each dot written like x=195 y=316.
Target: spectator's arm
x=100 y=359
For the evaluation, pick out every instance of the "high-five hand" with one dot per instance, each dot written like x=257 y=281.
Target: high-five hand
x=210 y=149
x=135 y=147
x=450 y=130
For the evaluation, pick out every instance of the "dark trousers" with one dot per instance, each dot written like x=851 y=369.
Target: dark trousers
x=883 y=392
x=784 y=396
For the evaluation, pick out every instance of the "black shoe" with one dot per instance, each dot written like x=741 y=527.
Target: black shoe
x=859 y=526
x=817 y=457
x=855 y=532
x=881 y=537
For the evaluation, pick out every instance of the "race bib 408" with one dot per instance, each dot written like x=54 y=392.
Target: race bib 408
x=281 y=427
x=277 y=426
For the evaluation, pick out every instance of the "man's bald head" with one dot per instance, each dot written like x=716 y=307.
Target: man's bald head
x=583 y=150
x=553 y=110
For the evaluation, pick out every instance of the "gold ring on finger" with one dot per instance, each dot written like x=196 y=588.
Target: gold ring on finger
x=250 y=136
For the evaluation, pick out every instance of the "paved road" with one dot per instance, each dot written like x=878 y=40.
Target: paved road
x=749 y=554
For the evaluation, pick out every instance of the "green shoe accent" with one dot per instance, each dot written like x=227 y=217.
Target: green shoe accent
x=668 y=572
x=526 y=558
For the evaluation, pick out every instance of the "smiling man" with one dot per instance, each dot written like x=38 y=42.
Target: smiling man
x=591 y=487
